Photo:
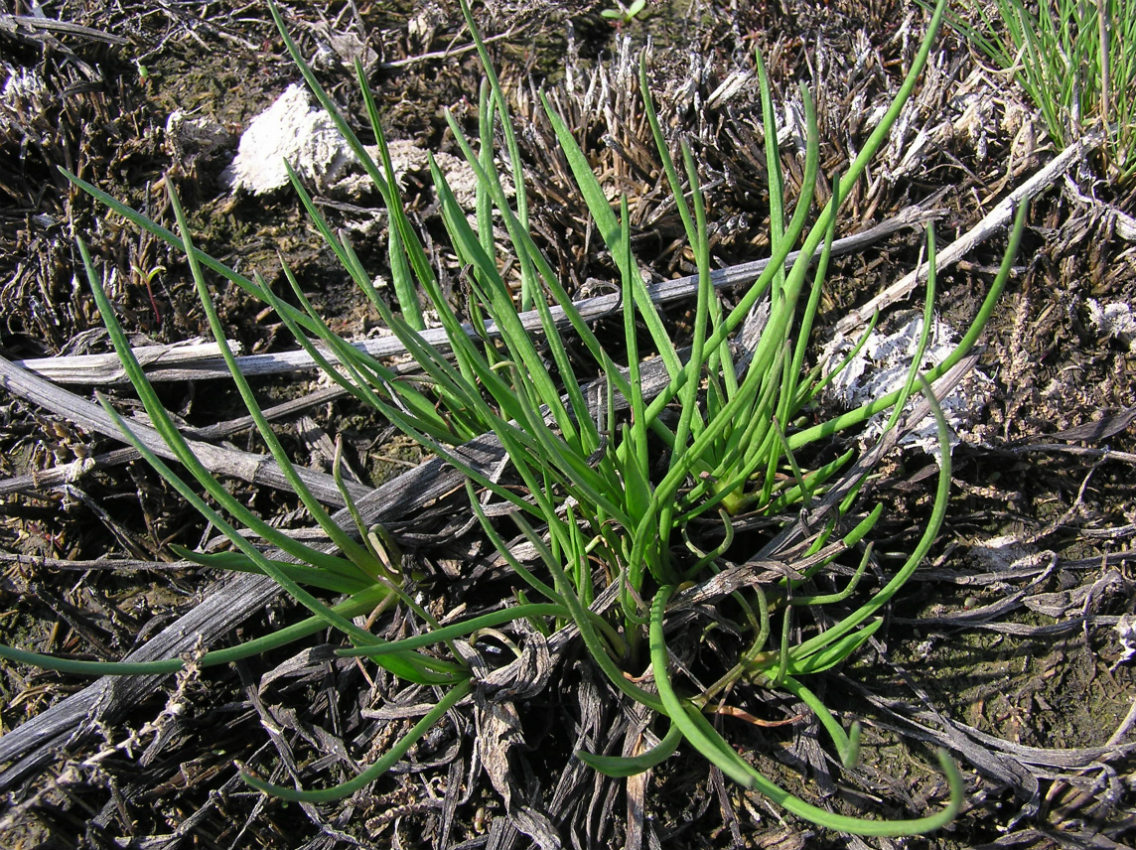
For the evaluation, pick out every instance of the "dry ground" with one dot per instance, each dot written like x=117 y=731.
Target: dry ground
x=1003 y=648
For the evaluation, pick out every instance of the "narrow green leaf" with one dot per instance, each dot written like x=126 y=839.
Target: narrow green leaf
x=624 y=766
x=392 y=757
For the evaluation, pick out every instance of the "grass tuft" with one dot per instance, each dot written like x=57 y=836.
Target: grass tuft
x=612 y=489
x=1075 y=60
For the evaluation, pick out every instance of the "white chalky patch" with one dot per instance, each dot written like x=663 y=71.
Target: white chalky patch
x=881 y=367
x=1114 y=319
x=1126 y=631
x=290 y=129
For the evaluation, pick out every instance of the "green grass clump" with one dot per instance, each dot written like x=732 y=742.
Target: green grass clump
x=611 y=486
x=1075 y=60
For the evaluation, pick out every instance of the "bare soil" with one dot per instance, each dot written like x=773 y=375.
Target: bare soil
x=1003 y=648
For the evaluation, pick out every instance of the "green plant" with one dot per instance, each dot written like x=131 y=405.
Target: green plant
x=612 y=488
x=624 y=14
x=1076 y=61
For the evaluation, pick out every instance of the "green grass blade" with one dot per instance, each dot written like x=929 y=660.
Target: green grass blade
x=356 y=553
x=438 y=634
x=624 y=766
x=710 y=746
x=773 y=174
x=528 y=293
x=924 y=335
x=392 y=757
x=608 y=227
x=166 y=235
x=347 y=579
x=930 y=532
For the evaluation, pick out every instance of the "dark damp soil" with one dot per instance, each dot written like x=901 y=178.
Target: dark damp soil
x=1003 y=648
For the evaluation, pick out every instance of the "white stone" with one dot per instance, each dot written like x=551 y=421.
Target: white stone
x=293 y=130
x=290 y=129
